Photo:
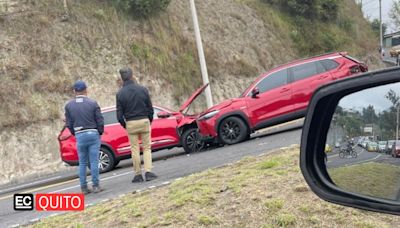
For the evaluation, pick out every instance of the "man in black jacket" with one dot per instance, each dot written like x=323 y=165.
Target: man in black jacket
x=84 y=120
x=134 y=106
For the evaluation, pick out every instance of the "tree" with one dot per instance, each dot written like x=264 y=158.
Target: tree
x=394 y=13
x=393 y=97
x=375 y=25
x=142 y=8
x=368 y=115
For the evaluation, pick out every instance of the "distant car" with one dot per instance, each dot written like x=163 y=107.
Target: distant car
x=389 y=146
x=276 y=96
x=365 y=143
x=169 y=129
x=382 y=146
x=328 y=148
x=337 y=145
x=372 y=147
x=394 y=51
x=396 y=149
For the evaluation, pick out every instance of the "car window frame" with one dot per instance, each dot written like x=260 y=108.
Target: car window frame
x=265 y=77
x=292 y=79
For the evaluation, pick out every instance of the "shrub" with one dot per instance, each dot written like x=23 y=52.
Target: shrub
x=142 y=8
x=325 y=10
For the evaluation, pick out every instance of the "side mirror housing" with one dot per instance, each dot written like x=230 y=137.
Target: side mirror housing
x=331 y=110
x=163 y=115
x=255 y=92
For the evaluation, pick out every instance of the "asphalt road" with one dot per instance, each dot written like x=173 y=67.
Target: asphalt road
x=334 y=161
x=391 y=61
x=118 y=182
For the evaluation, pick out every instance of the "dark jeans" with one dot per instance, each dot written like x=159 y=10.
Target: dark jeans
x=88 y=145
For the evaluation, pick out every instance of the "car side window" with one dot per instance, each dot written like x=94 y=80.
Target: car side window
x=320 y=67
x=273 y=81
x=156 y=111
x=304 y=71
x=329 y=64
x=110 y=117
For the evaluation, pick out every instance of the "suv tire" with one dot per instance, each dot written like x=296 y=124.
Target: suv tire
x=106 y=160
x=232 y=130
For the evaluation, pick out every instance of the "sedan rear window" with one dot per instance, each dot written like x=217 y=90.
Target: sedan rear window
x=110 y=117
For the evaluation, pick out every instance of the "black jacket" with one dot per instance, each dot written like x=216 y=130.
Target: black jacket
x=133 y=103
x=83 y=113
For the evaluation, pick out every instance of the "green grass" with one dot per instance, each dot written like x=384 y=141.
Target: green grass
x=372 y=179
x=263 y=199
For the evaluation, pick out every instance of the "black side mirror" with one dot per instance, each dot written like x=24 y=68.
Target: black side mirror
x=361 y=107
x=163 y=115
x=255 y=92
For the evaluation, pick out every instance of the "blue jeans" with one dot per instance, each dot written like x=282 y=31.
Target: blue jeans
x=88 y=145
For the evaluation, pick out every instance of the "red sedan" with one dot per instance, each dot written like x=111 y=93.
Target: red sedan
x=169 y=129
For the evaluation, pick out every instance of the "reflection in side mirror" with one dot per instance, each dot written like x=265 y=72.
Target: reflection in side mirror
x=163 y=115
x=255 y=92
x=365 y=126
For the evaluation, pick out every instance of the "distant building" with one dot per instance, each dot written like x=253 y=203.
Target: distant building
x=392 y=39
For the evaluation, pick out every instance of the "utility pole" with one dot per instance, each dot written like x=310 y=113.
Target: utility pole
x=397 y=122
x=203 y=66
x=380 y=28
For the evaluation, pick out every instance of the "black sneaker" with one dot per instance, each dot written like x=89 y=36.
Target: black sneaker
x=150 y=176
x=85 y=191
x=137 y=178
x=97 y=189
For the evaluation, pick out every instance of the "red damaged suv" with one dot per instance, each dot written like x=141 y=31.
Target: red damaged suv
x=279 y=95
x=169 y=129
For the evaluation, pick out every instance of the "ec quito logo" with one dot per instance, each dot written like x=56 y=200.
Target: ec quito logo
x=49 y=202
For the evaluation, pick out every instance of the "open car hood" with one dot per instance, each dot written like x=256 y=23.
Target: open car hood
x=192 y=97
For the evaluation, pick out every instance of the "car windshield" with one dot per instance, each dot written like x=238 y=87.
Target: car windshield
x=372 y=144
x=382 y=142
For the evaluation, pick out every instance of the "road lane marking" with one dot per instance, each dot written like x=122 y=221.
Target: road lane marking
x=62 y=183
x=38 y=189
x=101 y=179
x=33 y=183
x=368 y=160
x=332 y=156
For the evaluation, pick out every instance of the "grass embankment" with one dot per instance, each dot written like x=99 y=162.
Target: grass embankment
x=372 y=179
x=266 y=191
x=349 y=32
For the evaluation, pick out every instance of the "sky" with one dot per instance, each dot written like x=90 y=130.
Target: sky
x=373 y=96
x=371 y=10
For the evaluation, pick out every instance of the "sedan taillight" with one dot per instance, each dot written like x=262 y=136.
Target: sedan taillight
x=64 y=136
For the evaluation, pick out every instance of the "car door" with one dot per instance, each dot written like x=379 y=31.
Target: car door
x=164 y=130
x=114 y=134
x=273 y=99
x=306 y=78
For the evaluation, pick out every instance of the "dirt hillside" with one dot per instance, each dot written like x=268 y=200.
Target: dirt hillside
x=42 y=52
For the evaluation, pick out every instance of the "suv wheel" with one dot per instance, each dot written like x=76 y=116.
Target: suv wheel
x=191 y=140
x=106 y=160
x=232 y=130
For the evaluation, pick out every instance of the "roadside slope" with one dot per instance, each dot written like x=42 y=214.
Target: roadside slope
x=263 y=191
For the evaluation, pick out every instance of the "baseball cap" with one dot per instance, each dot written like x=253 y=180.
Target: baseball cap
x=79 y=86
